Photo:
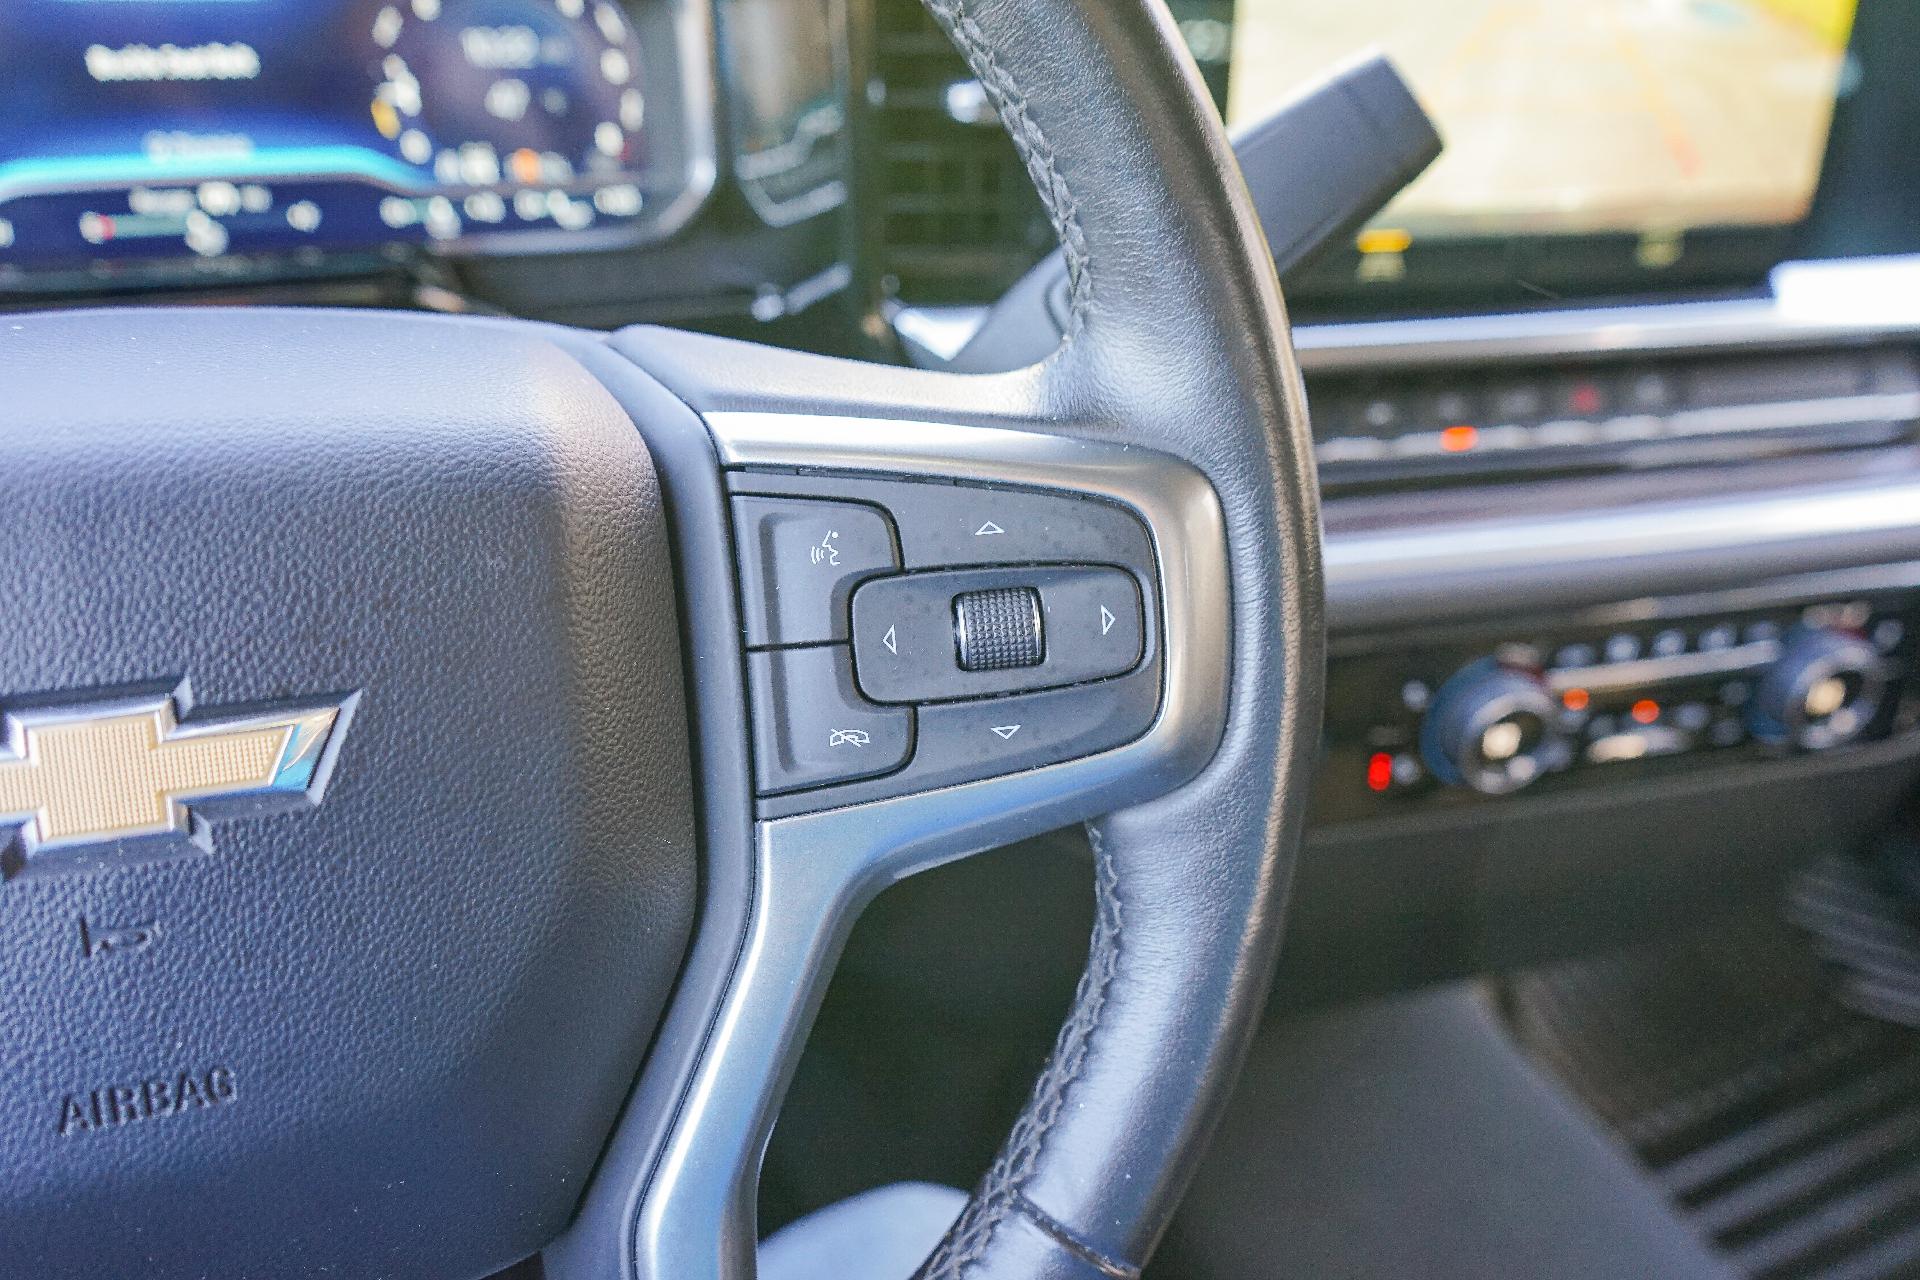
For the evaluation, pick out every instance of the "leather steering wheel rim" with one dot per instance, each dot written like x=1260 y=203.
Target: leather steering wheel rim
x=1190 y=888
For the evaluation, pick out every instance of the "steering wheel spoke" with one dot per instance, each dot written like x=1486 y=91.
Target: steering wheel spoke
x=954 y=636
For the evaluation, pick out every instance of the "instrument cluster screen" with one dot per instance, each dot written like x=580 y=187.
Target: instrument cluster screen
x=157 y=129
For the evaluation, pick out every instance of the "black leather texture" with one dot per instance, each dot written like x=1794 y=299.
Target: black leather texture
x=1178 y=342
x=430 y=993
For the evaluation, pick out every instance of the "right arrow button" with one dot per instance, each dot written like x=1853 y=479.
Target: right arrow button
x=1093 y=620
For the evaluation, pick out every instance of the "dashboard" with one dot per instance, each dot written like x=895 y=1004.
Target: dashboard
x=1582 y=440
x=182 y=142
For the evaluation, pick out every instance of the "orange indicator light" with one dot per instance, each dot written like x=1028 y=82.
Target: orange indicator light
x=1575 y=699
x=1645 y=711
x=1384 y=240
x=1459 y=439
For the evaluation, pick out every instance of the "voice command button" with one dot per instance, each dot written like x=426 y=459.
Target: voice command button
x=800 y=560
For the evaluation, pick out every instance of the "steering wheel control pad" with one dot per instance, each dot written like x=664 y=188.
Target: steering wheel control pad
x=975 y=633
x=1009 y=631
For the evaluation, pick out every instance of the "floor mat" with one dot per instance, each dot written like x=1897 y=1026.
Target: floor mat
x=1785 y=1124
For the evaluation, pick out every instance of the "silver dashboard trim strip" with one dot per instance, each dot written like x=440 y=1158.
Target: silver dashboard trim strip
x=1408 y=574
x=1843 y=301
x=1663 y=327
x=1810 y=304
x=1617 y=677
x=815 y=872
x=1577 y=538
x=1797 y=415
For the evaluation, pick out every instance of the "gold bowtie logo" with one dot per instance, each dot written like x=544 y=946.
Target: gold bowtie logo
x=120 y=768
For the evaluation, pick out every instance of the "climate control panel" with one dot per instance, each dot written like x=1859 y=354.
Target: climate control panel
x=1624 y=691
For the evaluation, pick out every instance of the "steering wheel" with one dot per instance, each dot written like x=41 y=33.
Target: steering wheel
x=425 y=855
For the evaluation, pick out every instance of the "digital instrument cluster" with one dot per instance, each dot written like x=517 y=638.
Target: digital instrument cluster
x=183 y=129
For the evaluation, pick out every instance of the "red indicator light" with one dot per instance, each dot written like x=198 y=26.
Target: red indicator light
x=1584 y=398
x=1575 y=699
x=1459 y=439
x=1379 y=771
x=1645 y=711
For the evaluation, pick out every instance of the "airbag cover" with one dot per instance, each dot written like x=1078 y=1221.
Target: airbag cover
x=387 y=1033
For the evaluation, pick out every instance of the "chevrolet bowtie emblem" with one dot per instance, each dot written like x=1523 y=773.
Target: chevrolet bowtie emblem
x=122 y=767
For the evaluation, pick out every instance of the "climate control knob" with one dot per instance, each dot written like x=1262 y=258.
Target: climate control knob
x=1823 y=692
x=1492 y=728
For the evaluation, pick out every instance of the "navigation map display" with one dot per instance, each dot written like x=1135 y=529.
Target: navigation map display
x=1577 y=117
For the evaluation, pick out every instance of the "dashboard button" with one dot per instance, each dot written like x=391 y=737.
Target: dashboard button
x=1719 y=636
x=1565 y=433
x=800 y=560
x=1582 y=398
x=1670 y=643
x=1350 y=449
x=1505 y=437
x=1519 y=402
x=1633 y=427
x=1624 y=647
x=1650 y=391
x=1576 y=655
x=1636 y=744
x=1420 y=444
x=811 y=727
x=1381 y=414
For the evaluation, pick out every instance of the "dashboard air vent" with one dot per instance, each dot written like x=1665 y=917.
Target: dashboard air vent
x=958 y=218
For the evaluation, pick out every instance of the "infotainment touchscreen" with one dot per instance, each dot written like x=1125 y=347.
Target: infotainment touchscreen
x=1644 y=122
